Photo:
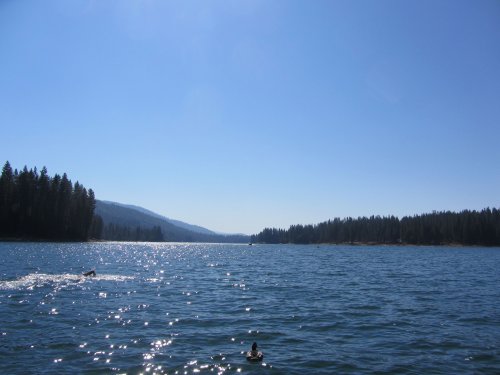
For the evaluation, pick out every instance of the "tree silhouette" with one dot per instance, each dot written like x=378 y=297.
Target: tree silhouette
x=466 y=227
x=36 y=206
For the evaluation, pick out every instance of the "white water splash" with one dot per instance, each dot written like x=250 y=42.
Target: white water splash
x=34 y=280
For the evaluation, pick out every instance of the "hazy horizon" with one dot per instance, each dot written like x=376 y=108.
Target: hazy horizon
x=236 y=116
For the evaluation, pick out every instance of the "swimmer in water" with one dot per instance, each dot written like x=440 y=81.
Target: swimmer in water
x=254 y=351
x=90 y=273
x=254 y=355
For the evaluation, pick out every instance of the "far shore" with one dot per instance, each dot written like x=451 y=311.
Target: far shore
x=402 y=244
x=353 y=244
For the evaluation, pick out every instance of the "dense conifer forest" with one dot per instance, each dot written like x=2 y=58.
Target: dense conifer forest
x=466 y=227
x=34 y=205
x=114 y=232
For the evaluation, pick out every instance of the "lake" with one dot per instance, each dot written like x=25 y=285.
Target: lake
x=176 y=308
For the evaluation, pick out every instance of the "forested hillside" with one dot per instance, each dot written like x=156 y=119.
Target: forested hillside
x=466 y=227
x=122 y=222
x=34 y=205
x=115 y=232
x=177 y=223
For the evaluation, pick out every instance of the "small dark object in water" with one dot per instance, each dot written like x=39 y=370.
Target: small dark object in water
x=90 y=273
x=254 y=355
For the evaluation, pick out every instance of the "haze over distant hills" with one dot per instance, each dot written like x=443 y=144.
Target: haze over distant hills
x=173 y=230
x=177 y=223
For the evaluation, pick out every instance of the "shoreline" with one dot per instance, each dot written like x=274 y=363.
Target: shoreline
x=351 y=244
x=369 y=244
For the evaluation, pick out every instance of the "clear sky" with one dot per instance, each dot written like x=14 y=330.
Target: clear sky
x=240 y=115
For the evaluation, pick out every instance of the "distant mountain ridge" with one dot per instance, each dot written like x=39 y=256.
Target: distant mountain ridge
x=177 y=223
x=173 y=230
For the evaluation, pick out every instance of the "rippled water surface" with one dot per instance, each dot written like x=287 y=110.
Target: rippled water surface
x=197 y=308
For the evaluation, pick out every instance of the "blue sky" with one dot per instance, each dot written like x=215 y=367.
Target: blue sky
x=240 y=115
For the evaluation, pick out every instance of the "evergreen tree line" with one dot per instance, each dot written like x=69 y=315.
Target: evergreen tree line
x=34 y=205
x=114 y=232
x=466 y=227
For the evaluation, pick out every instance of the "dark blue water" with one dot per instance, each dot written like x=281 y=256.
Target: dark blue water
x=197 y=308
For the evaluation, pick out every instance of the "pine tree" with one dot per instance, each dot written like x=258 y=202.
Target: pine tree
x=34 y=206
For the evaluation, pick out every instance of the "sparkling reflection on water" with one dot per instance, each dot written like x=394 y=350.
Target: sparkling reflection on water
x=197 y=308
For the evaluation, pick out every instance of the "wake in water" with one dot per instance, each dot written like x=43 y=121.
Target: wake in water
x=35 y=280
